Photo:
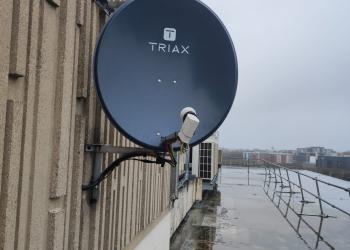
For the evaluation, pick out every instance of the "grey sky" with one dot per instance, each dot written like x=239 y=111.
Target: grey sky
x=294 y=73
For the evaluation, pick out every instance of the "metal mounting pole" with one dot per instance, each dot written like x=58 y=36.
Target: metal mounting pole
x=95 y=191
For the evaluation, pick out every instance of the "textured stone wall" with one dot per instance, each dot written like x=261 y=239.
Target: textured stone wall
x=48 y=111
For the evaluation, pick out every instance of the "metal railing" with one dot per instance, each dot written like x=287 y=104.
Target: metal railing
x=279 y=175
x=276 y=174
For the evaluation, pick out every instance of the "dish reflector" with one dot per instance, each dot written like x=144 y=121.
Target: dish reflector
x=156 y=57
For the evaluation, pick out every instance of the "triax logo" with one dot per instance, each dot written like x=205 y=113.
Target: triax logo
x=169 y=34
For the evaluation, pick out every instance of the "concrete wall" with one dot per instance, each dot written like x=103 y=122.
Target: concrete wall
x=48 y=111
x=186 y=198
x=181 y=160
x=157 y=235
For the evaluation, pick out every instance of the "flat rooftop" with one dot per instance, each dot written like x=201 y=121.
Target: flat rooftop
x=248 y=212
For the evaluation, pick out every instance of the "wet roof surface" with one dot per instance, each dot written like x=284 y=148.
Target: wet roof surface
x=243 y=214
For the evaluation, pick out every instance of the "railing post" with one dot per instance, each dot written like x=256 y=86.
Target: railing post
x=288 y=204
x=290 y=186
x=248 y=172
x=279 y=200
x=269 y=177
x=301 y=188
x=319 y=232
x=300 y=216
x=279 y=170
x=319 y=196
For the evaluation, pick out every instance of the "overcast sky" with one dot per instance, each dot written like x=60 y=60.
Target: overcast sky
x=294 y=73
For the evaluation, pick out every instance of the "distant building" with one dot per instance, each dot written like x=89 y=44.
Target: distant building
x=273 y=157
x=333 y=162
x=347 y=154
x=278 y=158
x=312 y=159
x=310 y=155
x=252 y=156
x=302 y=157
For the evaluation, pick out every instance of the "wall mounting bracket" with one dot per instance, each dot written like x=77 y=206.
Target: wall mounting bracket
x=107 y=148
x=109 y=6
x=124 y=153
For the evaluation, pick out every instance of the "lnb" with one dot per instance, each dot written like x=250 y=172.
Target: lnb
x=189 y=126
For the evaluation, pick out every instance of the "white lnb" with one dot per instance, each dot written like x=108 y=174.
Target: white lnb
x=189 y=125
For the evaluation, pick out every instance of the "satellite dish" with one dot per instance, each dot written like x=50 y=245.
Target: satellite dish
x=156 y=57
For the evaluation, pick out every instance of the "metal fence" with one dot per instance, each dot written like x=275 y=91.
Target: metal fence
x=278 y=178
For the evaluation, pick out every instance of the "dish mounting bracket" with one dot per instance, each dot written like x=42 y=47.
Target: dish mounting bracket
x=99 y=150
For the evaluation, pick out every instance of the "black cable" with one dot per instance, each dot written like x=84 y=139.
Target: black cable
x=115 y=164
x=107 y=171
x=159 y=160
x=145 y=161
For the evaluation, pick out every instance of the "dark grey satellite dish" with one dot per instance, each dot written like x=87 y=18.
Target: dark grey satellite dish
x=156 y=57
